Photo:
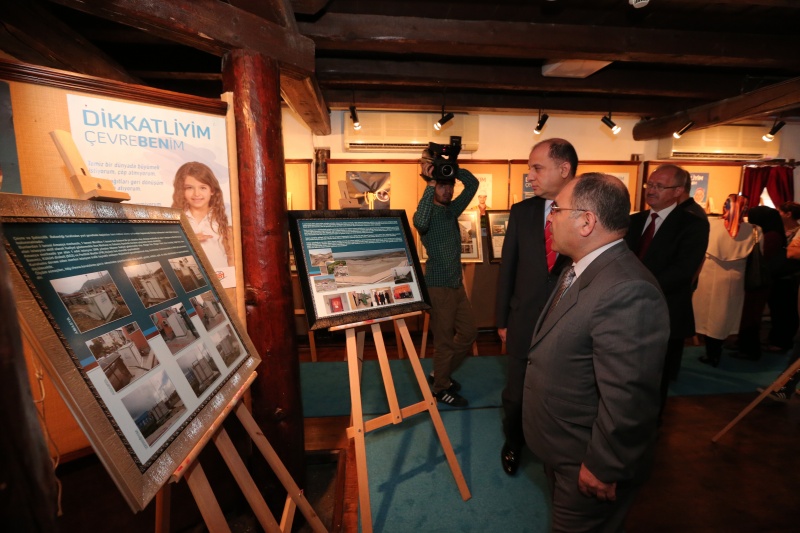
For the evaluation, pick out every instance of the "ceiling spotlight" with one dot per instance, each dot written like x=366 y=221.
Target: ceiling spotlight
x=539 y=125
x=683 y=130
x=446 y=117
x=638 y=3
x=354 y=118
x=610 y=123
x=776 y=127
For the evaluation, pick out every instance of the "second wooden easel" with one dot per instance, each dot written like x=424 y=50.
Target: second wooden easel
x=777 y=384
x=396 y=414
x=200 y=488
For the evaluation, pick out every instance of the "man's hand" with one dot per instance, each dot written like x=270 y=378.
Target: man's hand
x=501 y=332
x=432 y=183
x=591 y=487
x=427 y=171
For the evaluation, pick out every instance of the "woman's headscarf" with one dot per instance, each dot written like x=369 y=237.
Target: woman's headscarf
x=733 y=212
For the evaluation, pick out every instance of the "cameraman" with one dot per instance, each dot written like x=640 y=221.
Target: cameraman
x=436 y=219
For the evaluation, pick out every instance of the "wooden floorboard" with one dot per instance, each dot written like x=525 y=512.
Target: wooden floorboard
x=747 y=482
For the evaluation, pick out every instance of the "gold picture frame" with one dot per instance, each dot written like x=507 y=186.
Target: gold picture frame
x=120 y=305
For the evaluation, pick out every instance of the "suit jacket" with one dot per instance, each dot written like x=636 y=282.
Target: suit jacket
x=674 y=257
x=524 y=283
x=693 y=207
x=592 y=386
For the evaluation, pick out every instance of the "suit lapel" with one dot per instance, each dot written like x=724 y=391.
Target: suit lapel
x=666 y=233
x=636 y=229
x=570 y=298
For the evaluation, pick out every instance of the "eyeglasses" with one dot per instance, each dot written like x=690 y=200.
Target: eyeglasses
x=658 y=187
x=555 y=209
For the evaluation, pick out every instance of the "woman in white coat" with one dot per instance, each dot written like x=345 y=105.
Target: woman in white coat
x=719 y=297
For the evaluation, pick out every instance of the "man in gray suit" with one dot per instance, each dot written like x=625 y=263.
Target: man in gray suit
x=591 y=397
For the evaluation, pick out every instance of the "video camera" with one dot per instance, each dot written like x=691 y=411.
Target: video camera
x=445 y=166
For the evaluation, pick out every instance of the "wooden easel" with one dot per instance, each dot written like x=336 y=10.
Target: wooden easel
x=355 y=359
x=198 y=484
x=777 y=384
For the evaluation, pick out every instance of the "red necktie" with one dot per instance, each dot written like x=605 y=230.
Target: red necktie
x=647 y=236
x=548 y=246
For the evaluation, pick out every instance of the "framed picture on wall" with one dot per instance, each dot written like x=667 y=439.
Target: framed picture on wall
x=356 y=265
x=497 y=224
x=471 y=244
x=132 y=325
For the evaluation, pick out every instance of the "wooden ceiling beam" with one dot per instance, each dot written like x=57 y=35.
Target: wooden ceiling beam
x=309 y=7
x=278 y=11
x=430 y=100
x=200 y=25
x=522 y=40
x=304 y=96
x=209 y=25
x=355 y=73
x=30 y=33
x=771 y=100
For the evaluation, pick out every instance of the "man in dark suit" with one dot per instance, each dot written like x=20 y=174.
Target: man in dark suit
x=527 y=277
x=671 y=242
x=591 y=396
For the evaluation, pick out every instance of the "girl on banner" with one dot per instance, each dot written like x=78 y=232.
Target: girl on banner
x=198 y=194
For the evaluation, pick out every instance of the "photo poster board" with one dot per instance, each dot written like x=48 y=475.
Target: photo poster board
x=469 y=224
x=699 y=190
x=723 y=178
x=627 y=171
x=134 y=329
x=497 y=224
x=356 y=265
x=492 y=189
x=492 y=182
x=517 y=183
x=9 y=162
x=133 y=136
x=298 y=184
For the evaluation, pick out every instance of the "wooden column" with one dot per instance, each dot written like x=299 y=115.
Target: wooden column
x=255 y=83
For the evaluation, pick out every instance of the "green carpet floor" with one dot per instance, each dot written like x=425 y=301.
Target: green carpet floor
x=326 y=388
x=411 y=486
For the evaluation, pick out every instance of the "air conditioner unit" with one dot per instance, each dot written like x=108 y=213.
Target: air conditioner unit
x=407 y=132
x=725 y=143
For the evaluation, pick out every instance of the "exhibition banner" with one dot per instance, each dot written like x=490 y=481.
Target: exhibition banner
x=162 y=157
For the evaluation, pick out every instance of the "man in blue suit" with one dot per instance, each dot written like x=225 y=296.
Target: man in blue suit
x=527 y=277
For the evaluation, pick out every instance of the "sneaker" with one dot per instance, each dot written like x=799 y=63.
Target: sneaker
x=455 y=386
x=451 y=397
x=781 y=395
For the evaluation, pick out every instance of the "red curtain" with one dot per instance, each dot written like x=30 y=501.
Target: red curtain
x=779 y=182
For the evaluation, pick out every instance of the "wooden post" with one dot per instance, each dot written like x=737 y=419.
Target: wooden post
x=255 y=83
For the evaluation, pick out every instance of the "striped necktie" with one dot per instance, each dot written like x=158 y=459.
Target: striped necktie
x=567 y=277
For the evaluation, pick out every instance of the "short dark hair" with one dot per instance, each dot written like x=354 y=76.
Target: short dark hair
x=606 y=197
x=680 y=176
x=793 y=208
x=561 y=151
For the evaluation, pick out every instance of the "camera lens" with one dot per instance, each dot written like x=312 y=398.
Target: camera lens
x=447 y=171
